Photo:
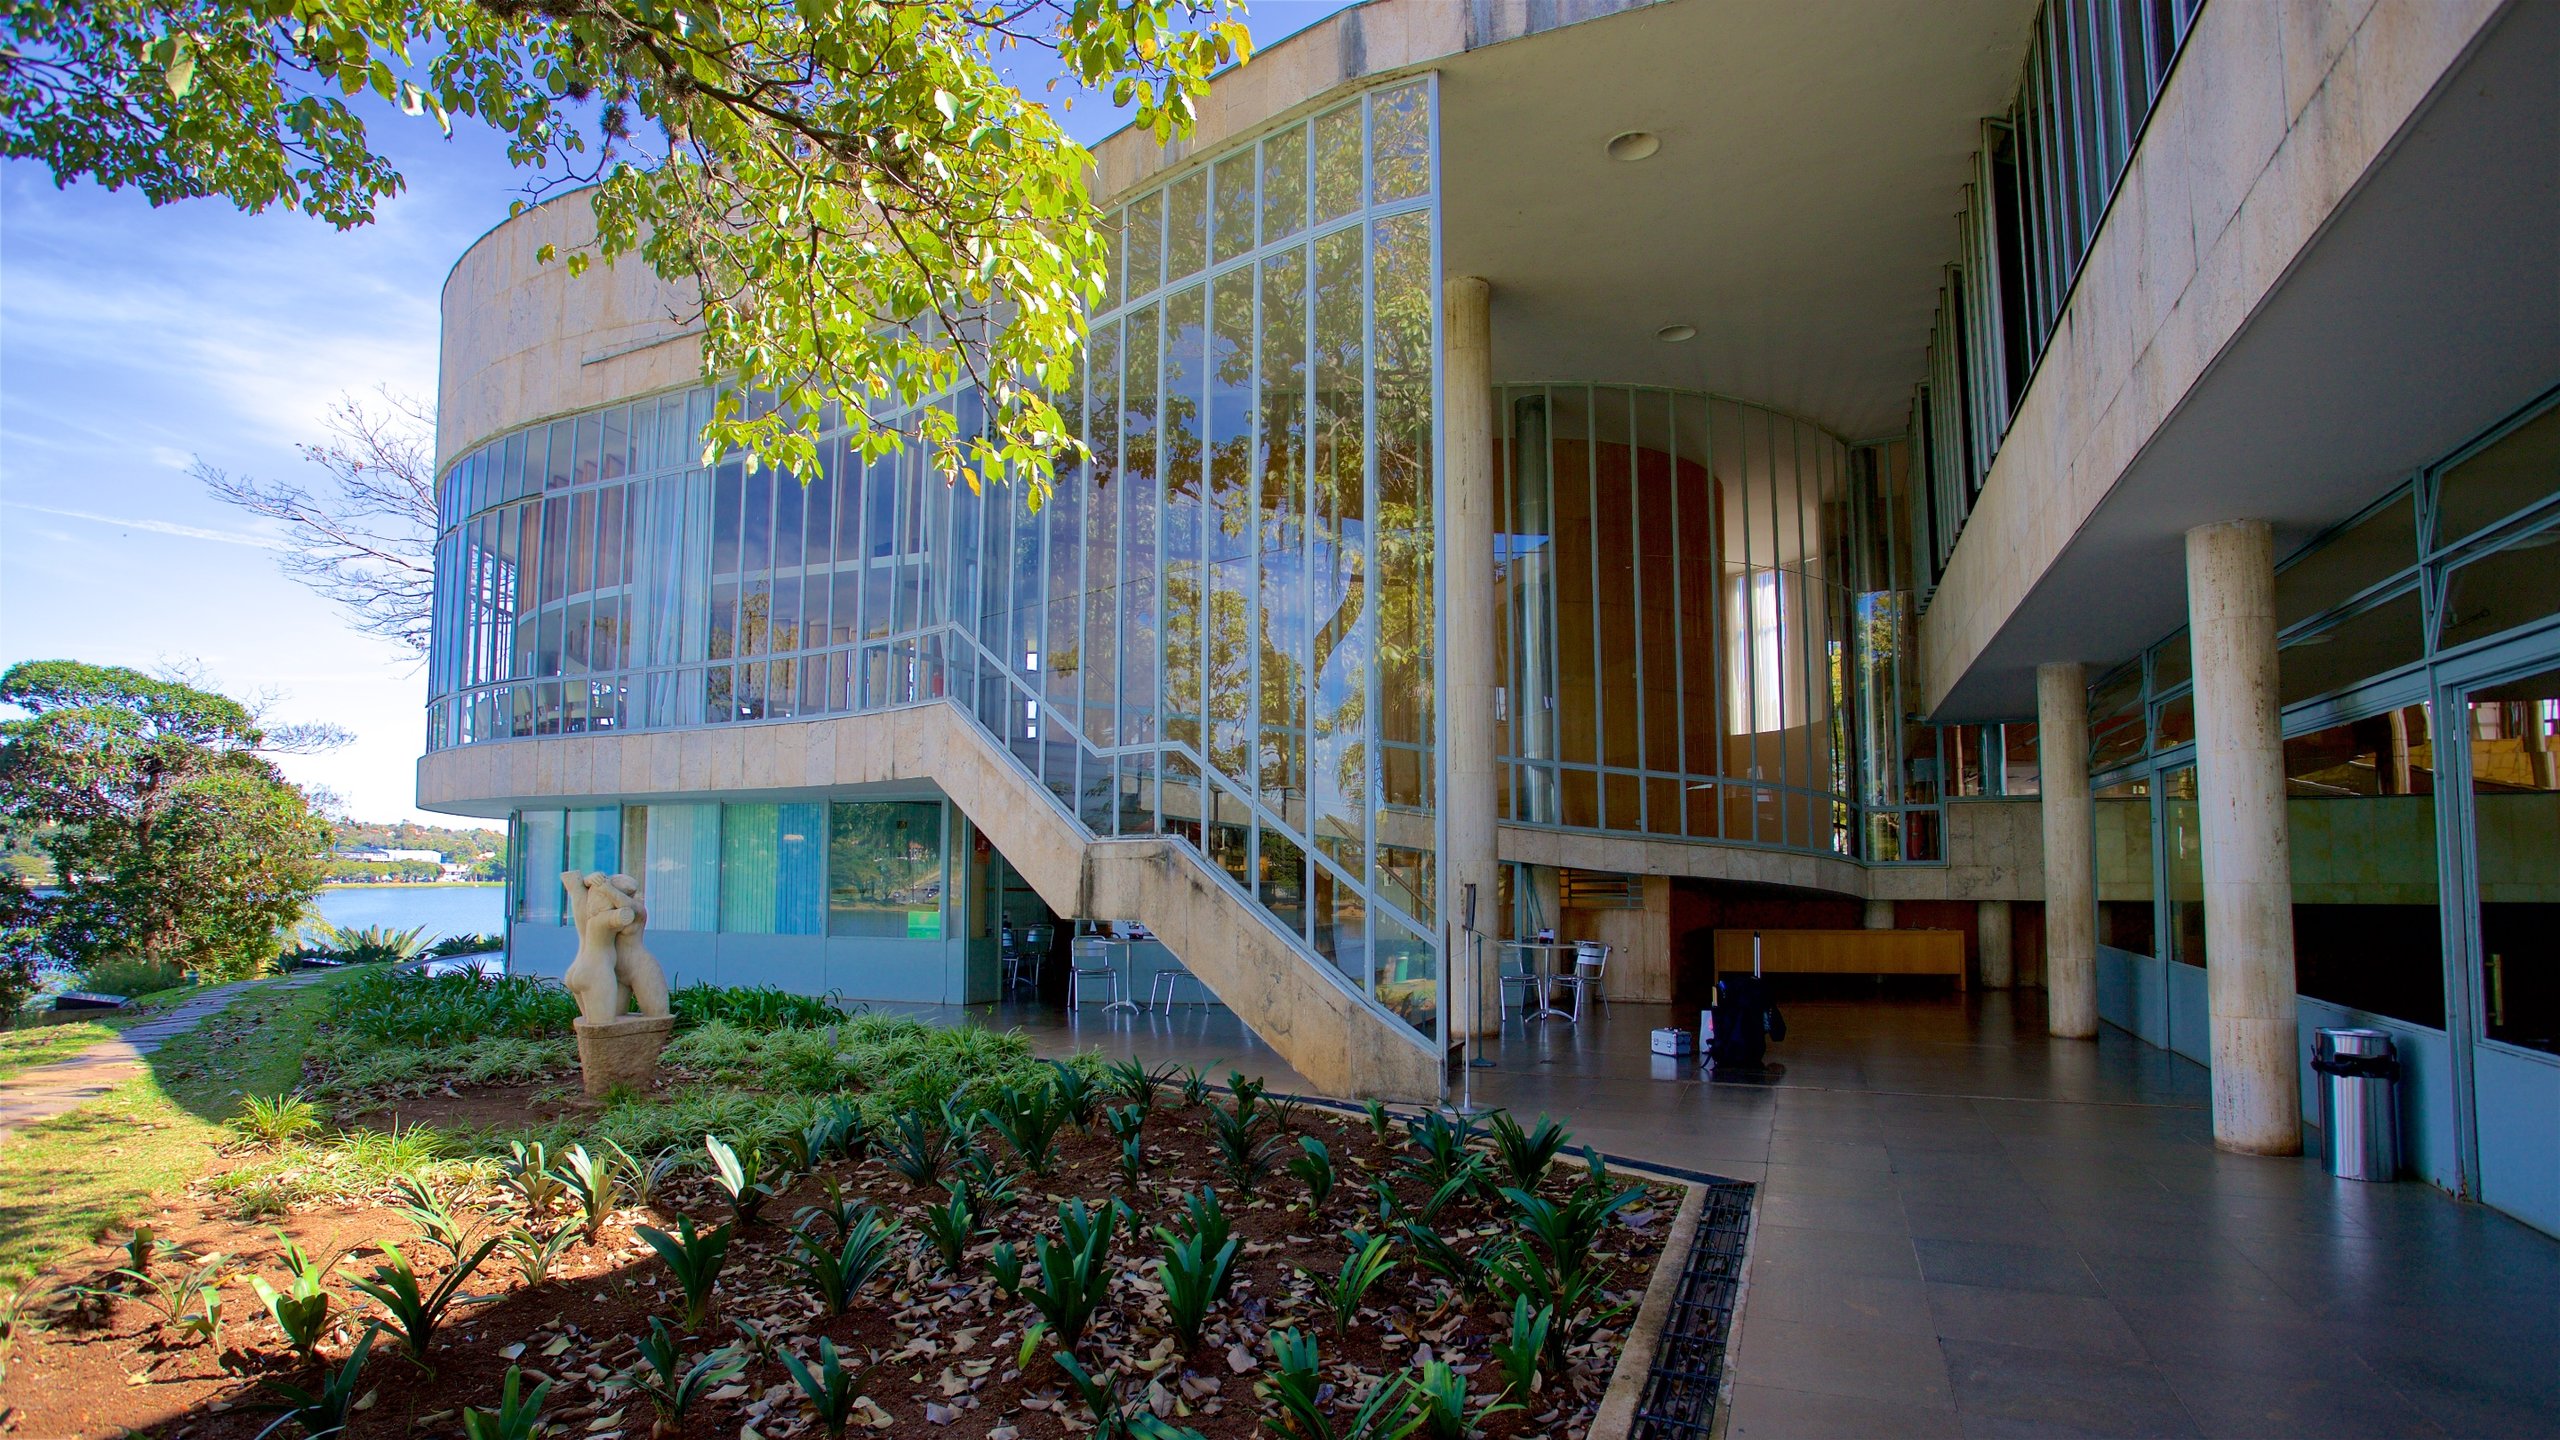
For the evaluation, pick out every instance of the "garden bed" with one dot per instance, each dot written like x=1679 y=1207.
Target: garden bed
x=936 y=1341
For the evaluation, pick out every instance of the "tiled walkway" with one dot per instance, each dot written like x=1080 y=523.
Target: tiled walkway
x=1967 y=1228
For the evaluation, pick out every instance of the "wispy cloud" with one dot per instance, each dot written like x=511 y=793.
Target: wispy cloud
x=157 y=527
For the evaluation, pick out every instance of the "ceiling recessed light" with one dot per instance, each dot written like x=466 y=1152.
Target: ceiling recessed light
x=1676 y=333
x=1634 y=145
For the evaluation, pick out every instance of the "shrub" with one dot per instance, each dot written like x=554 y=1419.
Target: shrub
x=1522 y=1351
x=1314 y=1168
x=324 y=1411
x=369 y=944
x=760 y=1008
x=742 y=1179
x=418 y=1311
x=1029 y=1118
x=694 y=1260
x=301 y=1309
x=667 y=1383
x=1524 y=1155
x=452 y=945
x=838 y=1272
x=131 y=975
x=272 y=1121
x=518 y=1416
x=408 y=1007
x=1367 y=1264
x=831 y=1391
x=1194 y=1277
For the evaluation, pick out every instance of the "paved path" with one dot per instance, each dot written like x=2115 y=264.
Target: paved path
x=44 y=1091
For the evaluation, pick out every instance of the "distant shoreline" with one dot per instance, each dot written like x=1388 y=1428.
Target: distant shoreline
x=413 y=884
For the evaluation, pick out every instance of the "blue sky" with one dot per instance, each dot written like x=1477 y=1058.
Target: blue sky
x=133 y=340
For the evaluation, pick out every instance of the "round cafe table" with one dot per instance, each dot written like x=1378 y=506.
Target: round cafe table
x=1544 y=980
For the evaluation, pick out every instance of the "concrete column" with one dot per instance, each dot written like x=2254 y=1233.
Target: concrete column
x=2248 y=853
x=1466 y=557
x=1992 y=933
x=1879 y=915
x=2070 y=868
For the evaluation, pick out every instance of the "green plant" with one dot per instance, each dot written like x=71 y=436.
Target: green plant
x=1075 y=1270
x=694 y=1260
x=410 y=1007
x=1131 y=1081
x=595 y=1184
x=1029 y=1118
x=129 y=976
x=1314 y=1169
x=1295 y=1396
x=275 y=1121
x=1441 y=1147
x=1245 y=1096
x=1243 y=1153
x=1077 y=1093
x=1382 y=1122
x=919 y=1150
x=645 y=1178
x=1566 y=1231
x=518 y=1416
x=1204 y=1219
x=1441 y=1390
x=419 y=1311
x=324 y=1411
x=742 y=1179
x=1287 y=1114
x=831 y=1391
x=1521 y=1353
x=662 y=1377
x=1368 y=1263
x=189 y=1300
x=20 y=1307
x=1470 y=1177
x=452 y=945
x=536 y=1255
x=837 y=1274
x=759 y=1007
x=1113 y=1417
x=371 y=944
x=837 y=1209
x=1433 y=1252
x=528 y=1173
x=991 y=1186
x=301 y=1309
x=1195 y=1087
x=1524 y=1155
x=951 y=1226
x=1129 y=1126
x=431 y=1213
x=142 y=1250
x=1195 y=1275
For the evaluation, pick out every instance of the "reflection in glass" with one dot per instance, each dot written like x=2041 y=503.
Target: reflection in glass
x=2361 y=816
x=2515 y=820
x=884 y=869
x=2184 y=826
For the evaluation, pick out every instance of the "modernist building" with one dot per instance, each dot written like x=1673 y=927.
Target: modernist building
x=2081 y=474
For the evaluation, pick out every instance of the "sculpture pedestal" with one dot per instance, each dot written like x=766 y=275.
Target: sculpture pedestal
x=622 y=1053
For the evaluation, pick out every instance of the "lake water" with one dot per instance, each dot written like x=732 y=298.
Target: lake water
x=440 y=909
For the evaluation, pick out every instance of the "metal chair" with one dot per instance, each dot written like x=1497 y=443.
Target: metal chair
x=1171 y=973
x=1520 y=967
x=1590 y=972
x=1029 y=955
x=1090 y=961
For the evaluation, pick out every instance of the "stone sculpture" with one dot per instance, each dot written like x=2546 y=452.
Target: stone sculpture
x=614 y=970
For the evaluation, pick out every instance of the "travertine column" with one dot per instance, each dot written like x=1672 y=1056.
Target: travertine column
x=2070 y=873
x=1879 y=914
x=1992 y=933
x=2248 y=864
x=1466 y=558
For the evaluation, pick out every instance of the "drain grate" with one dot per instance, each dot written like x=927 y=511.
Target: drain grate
x=1688 y=1368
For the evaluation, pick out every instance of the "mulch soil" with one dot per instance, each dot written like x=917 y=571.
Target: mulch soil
x=944 y=1349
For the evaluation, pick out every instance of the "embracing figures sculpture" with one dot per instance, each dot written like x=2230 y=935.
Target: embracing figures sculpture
x=612 y=972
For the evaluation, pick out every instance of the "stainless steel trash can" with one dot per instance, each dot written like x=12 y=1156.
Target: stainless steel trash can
x=2359 y=1077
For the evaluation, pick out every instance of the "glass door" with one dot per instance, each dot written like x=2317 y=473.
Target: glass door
x=2512 y=730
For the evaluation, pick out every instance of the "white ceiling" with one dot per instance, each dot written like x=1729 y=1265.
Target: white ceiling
x=1798 y=213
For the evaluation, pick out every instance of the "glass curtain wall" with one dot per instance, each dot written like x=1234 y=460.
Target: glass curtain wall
x=2456 y=560
x=2043 y=178
x=1222 y=625
x=1672 y=576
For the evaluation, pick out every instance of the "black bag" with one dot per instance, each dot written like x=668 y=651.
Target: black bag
x=1742 y=1013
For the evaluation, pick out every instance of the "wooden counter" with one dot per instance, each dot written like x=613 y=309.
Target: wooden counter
x=1844 y=952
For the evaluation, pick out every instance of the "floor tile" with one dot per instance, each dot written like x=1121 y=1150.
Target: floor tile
x=2019 y=1390
x=1902 y=1366
x=1997 y=1265
x=1786 y=1290
x=1835 y=1252
x=1763 y=1412
x=2022 y=1317
x=2339 y=1403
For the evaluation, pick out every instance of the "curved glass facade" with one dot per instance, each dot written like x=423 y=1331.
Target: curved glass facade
x=1221 y=628
x=1673 y=572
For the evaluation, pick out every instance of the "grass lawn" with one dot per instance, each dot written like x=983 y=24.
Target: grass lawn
x=27 y=1046
x=66 y=1180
